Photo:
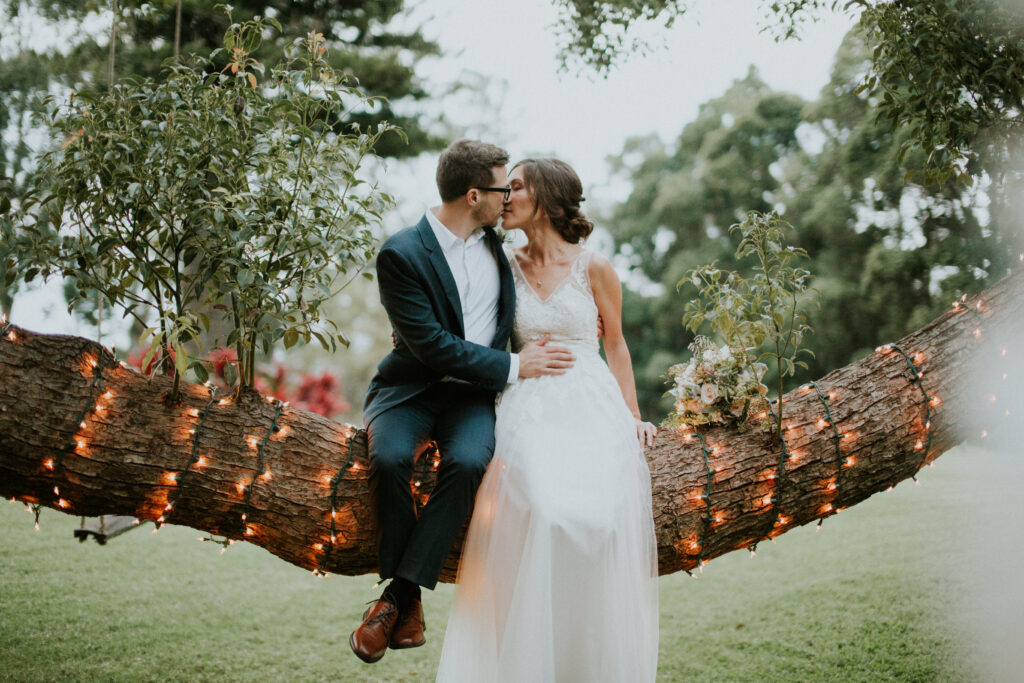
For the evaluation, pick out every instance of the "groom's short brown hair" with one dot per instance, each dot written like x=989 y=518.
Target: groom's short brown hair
x=466 y=164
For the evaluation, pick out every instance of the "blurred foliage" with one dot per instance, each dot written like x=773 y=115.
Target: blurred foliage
x=360 y=37
x=949 y=73
x=887 y=256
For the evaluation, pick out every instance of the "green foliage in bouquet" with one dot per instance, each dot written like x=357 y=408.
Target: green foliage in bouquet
x=759 y=316
x=717 y=385
x=210 y=190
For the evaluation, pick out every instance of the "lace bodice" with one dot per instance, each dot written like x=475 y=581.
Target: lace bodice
x=569 y=314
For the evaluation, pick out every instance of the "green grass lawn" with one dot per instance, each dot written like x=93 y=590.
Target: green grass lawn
x=883 y=591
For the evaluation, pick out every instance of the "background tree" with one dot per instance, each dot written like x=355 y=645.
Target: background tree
x=887 y=255
x=948 y=72
x=361 y=38
x=209 y=189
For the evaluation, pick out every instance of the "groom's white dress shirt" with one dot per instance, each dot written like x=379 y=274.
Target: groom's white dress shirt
x=476 y=277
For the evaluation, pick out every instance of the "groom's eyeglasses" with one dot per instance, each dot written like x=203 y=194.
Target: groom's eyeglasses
x=507 y=191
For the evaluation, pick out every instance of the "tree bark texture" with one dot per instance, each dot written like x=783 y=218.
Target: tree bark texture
x=81 y=433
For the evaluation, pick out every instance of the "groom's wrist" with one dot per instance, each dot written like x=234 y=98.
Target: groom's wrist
x=513 y=368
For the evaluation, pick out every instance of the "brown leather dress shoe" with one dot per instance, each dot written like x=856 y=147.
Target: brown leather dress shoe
x=370 y=639
x=410 y=627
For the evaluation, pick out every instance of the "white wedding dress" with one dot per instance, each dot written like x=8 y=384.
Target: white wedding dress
x=558 y=577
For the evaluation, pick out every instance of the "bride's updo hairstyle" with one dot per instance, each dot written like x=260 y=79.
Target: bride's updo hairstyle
x=557 y=189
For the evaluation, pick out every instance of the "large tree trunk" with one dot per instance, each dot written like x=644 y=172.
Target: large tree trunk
x=83 y=434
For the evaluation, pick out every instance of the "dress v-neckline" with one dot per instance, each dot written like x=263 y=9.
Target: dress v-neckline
x=526 y=280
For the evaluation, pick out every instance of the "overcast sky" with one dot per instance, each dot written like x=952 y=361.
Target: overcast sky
x=582 y=117
x=530 y=107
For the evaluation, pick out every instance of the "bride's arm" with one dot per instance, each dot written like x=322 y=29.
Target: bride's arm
x=608 y=296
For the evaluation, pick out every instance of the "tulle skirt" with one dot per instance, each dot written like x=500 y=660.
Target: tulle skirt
x=558 y=577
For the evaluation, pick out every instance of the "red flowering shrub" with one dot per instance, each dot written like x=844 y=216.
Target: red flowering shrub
x=321 y=394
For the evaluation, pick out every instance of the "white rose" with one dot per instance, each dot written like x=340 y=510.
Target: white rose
x=708 y=393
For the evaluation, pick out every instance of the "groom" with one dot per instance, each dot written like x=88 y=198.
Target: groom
x=448 y=291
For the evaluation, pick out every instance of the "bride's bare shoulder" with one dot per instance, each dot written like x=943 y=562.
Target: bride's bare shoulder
x=600 y=268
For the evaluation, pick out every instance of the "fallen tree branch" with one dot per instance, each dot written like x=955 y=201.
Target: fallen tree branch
x=82 y=433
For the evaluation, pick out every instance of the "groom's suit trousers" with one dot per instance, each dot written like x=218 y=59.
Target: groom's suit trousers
x=460 y=419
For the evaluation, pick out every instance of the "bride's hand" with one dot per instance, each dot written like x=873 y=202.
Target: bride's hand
x=645 y=433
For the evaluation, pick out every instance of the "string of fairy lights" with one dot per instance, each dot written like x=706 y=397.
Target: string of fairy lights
x=930 y=401
x=917 y=375
x=705 y=525
x=328 y=548
x=832 y=508
x=96 y=364
x=261 y=468
x=194 y=458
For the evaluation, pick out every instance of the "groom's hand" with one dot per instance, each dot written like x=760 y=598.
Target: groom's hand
x=537 y=358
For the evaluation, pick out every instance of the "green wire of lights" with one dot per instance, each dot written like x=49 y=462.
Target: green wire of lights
x=193 y=459
x=917 y=376
x=260 y=468
x=783 y=454
x=706 y=518
x=97 y=379
x=335 y=480
x=836 y=439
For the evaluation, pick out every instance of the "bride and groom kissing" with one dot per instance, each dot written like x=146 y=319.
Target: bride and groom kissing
x=558 y=575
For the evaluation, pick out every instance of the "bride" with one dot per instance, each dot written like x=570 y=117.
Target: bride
x=558 y=577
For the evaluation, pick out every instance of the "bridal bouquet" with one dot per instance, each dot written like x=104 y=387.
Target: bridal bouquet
x=716 y=386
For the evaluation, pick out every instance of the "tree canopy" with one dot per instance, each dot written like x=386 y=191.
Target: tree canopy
x=361 y=36
x=887 y=255
x=949 y=72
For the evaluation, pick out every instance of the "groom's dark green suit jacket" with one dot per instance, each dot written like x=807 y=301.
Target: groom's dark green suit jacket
x=422 y=302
